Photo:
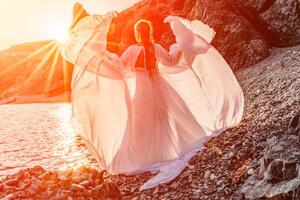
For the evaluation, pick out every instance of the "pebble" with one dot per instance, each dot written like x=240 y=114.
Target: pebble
x=99 y=187
x=76 y=187
x=191 y=167
x=85 y=183
x=220 y=182
x=10 y=197
x=213 y=177
x=175 y=185
x=207 y=175
x=76 y=179
x=250 y=171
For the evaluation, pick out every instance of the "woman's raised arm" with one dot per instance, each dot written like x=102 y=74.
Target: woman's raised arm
x=165 y=57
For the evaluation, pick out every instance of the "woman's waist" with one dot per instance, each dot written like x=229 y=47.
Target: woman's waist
x=140 y=69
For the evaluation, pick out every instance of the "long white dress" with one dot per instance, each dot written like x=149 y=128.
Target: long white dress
x=133 y=124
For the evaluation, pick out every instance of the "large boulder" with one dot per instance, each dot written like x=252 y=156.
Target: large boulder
x=277 y=20
x=236 y=39
x=245 y=29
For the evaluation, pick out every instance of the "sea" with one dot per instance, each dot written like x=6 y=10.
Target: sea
x=40 y=135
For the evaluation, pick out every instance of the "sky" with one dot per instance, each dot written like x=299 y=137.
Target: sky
x=34 y=20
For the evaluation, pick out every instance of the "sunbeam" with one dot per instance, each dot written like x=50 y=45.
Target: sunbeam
x=65 y=74
x=35 y=53
x=42 y=63
x=51 y=72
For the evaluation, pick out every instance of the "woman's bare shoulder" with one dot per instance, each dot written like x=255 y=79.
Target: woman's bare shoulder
x=159 y=48
x=133 y=47
x=157 y=45
x=130 y=53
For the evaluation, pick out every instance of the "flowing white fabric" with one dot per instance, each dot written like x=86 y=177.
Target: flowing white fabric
x=133 y=124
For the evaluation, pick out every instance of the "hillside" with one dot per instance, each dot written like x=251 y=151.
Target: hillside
x=257 y=159
x=246 y=31
x=33 y=69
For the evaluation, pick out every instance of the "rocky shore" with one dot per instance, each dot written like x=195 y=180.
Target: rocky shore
x=258 y=159
x=272 y=99
x=36 y=183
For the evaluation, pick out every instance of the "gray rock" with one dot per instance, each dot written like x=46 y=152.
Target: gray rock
x=277 y=20
x=236 y=39
x=212 y=177
x=207 y=175
x=250 y=171
x=279 y=170
x=175 y=185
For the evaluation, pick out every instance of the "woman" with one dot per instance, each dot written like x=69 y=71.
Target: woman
x=150 y=110
x=147 y=49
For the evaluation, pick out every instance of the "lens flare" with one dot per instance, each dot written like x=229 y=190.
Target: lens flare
x=59 y=33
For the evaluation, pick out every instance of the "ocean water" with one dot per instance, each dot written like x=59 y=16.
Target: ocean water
x=40 y=134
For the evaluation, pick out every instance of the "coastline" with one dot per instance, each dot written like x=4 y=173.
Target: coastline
x=62 y=98
x=272 y=89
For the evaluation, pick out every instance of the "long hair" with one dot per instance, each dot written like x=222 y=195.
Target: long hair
x=143 y=32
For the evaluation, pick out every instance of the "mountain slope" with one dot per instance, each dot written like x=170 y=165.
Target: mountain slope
x=246 y=30
x=33 y=69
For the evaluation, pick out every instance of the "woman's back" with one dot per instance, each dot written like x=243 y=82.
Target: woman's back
x=146 y=58
x=134 y=56
x=132 y=124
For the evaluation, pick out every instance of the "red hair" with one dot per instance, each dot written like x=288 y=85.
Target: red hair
x=143 y=32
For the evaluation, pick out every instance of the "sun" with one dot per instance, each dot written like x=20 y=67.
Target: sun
x=59 y=33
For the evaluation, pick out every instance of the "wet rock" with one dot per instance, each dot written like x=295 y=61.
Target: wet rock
x=12 y=182
x=37 y=183
x=36 y=171
x=34 y=187
x=49 y=177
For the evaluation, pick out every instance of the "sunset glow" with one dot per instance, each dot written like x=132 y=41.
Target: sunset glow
x=60 y=33
x=25 y=21
x=35 y=20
